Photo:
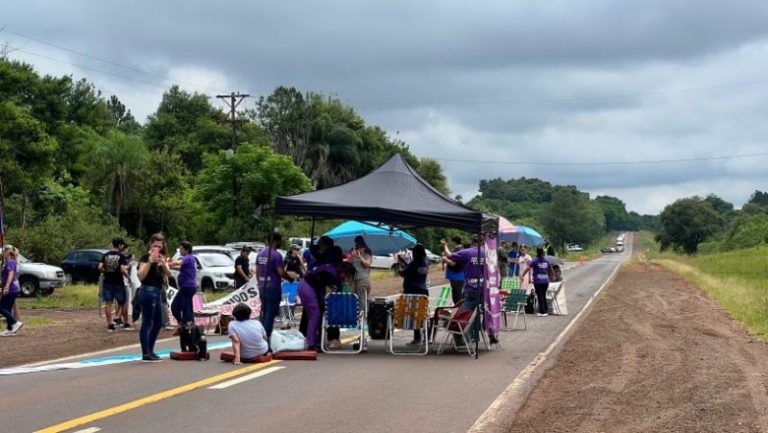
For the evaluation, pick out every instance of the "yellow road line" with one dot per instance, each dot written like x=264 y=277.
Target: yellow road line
x=151 y=399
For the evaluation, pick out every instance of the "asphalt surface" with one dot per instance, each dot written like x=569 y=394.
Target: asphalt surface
x=371 y=392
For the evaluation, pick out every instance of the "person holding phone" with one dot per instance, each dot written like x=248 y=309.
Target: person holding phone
x=153 y=270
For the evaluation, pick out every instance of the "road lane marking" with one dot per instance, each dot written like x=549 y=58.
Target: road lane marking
x=154 y=398
x=96 y=362
x=245 y=378
x=88 y=430
x=499 y=405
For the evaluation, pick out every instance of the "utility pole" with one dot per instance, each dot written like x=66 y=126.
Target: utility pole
x=233 y=100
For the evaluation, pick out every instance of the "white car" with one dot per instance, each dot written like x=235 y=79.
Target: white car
x=215 y=267
x=383 y=262
x=574 y=247
x=39 y=278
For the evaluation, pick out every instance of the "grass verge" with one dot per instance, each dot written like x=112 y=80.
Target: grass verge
x=735 y=279
x=73 y=296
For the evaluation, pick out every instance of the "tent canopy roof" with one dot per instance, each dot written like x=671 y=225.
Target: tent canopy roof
x=393 y=194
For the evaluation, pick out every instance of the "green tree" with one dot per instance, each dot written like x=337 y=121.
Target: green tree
x=616 y=216
x=572 y=217
x=432 y=172
x=686 y=223
x=116 y=169
x=237 y=187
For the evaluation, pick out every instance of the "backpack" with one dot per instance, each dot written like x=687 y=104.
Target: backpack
x=529 y=303
x=192 y=339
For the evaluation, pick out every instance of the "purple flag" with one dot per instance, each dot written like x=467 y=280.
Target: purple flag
x=491 y=288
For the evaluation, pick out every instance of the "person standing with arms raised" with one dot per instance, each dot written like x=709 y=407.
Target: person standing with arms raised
x=269 y=273
x=153 y=270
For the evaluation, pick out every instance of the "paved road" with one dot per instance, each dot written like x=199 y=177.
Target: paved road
x=372 y=392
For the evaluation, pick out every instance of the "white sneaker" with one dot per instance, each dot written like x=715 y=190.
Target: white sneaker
x=541 y=315
x=6 y=333
x=334 y=344
x=15 y=328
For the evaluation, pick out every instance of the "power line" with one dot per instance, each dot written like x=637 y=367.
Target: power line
x=111 y=62
x=605 y=163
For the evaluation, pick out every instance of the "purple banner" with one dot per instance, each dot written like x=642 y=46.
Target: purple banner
x=491 y=283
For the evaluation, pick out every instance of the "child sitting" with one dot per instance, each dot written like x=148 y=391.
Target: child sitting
x=249 y=338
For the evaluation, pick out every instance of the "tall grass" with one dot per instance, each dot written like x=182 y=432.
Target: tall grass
x=738 y=280
x=73 y=296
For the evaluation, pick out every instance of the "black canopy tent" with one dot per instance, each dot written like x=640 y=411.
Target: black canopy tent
x=393 y=194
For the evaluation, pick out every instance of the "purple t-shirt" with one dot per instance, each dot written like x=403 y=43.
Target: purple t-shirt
x=267 y=262
x=10 y=265
x=188 y=272
x=540 y=270
x=473 y=268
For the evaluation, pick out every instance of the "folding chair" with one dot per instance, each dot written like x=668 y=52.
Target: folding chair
x=514 y=303
x=460 y=324
x=288 y=304
x=411 y=312
x=341 y=311
x=553 y=293
x=510 y=283
x=207 y=318
x=442 y=300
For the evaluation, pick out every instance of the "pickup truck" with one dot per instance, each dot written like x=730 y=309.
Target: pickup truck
x=39 y=278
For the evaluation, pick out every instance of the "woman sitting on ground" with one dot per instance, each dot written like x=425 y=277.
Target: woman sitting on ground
x=249 y=338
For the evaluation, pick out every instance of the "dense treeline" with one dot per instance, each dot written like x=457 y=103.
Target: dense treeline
x=563 y=212
x=711 y=224
x=78 y=168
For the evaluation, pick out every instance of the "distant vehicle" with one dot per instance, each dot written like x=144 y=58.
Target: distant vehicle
x=82 y=265
x=620 y=243
x=574 y=247
x=39 y=278
x=215 y=267
x=609 y=250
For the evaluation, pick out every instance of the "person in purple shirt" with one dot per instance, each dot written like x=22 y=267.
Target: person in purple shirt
x=414 y=275
x=9 y=290
x=473 y=260
x=269 y=273
x=542 y=272
x=181 y=307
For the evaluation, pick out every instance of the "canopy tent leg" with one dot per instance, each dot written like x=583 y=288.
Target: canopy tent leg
x=312 y=231
x=482 y=294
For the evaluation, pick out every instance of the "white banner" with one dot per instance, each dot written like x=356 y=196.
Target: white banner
x=248 y=293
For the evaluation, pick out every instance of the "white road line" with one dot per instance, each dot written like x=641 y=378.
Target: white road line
x=245 y=378
x=88 y=430
x=497 y=406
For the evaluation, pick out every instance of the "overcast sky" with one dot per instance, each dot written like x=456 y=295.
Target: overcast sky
x=508 y=81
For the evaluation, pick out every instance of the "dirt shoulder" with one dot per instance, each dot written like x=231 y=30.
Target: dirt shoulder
x=654 y=354
x=53 y=334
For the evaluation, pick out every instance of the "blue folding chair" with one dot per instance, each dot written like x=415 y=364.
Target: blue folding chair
x=341 y=311
x=288 y=303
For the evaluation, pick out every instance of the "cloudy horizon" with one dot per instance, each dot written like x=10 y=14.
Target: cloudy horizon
x=557 y=82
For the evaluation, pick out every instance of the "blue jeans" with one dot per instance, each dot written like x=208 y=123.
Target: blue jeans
x=181 y=307
x=6 y=308
x=151 y=318
x=270 y=307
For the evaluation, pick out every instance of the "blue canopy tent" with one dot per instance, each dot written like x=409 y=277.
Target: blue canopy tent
x=380 y=240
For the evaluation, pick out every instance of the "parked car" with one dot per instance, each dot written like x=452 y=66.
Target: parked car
x=574 y=247
x=383 y=262
x=215 y=267
x=82 y=265
x=39 y=278
x=609 y=250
